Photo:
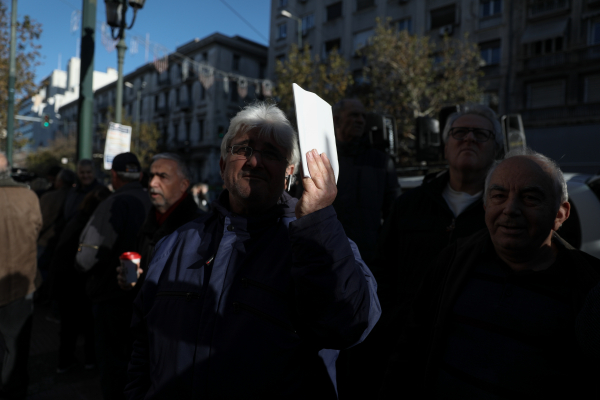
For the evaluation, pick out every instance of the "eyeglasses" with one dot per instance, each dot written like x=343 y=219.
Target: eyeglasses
x=481 y=135
x=240 y=150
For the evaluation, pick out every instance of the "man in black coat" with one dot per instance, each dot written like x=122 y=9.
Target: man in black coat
x=172 y=207
x=495 y=316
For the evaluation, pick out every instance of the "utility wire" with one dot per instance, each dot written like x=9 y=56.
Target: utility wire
x=245 y=20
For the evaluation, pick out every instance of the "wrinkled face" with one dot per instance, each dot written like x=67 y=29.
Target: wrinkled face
x=254 y=183
x=351 y=122
x=85 y=173
x=166 y=184
x=468 y=154
x=522 y=207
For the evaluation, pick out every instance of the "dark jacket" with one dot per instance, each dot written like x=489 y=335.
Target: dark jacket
x=75 y=197
x=416 y=357
x=151 y=233
x=367 y=187
x=240 y=307
x=419 y=227
x=111 y=231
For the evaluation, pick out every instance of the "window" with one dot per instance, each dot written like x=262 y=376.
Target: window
x=233 y=91
x=280 y=58
x=595 y=33
x=175 y=132
x=177 y=94
x=236 y=62
x=262 y=68
x=334 y=11
x=592 y=89
x=490 y=7
x=282 y=3
x=542 y=6
x=404 y=25
x=361 y=39
x=490 y=52
x=443 y=16
x=307 y=23
x=329 y=46
x=190 y=93
x=200 y=130
x=546 y=94
x=282 y=31
x=546 y=46
x=362 y=4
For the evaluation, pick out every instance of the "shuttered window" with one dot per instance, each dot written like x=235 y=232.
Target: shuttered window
x=546 y=94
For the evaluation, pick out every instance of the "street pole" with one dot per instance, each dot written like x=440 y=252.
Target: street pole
x=137 y=117
x=86 y=81
x=299 y=23
x=121 y=48
x=12 y=73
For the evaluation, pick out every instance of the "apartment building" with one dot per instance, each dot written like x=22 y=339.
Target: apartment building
x=191 y=116
x=542 y=57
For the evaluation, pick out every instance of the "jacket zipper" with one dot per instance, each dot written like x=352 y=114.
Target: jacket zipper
x=188 y=295
x=250 y=282
x=237 y=306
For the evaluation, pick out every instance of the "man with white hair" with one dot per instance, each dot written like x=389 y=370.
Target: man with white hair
x=20 y=224
x=111 y=231
x=495 y=317
x=253 y=300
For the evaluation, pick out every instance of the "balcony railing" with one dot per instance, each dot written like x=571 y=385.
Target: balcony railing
x=579 y=111
x=562 y=58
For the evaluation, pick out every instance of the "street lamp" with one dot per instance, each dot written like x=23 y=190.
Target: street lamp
x=116 y=11
x=288 y=14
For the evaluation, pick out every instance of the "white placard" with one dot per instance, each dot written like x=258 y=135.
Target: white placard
x=315 y=127
x=118 y=140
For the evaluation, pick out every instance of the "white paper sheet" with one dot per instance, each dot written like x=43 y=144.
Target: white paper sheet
x=315 y=127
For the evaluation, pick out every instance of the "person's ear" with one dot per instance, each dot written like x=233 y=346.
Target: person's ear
x=564 y=211
x=222 y=167
x=289 y=170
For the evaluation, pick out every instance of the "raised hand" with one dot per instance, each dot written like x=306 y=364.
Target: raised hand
x=320 y=189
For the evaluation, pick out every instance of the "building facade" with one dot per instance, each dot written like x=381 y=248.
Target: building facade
x=191 y=115
x=542 y=57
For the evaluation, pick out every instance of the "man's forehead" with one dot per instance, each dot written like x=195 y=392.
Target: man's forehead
x=521 y=171
x=164 y=165
x=253 y=136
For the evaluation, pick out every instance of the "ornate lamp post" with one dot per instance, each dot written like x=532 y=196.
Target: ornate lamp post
x=116 y=11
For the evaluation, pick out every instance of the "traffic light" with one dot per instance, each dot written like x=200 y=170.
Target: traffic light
x=45 y=120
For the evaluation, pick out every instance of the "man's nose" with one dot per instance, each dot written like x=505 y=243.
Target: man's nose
x=512 y=206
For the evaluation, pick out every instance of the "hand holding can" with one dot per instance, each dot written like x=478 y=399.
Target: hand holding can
x=130 y=263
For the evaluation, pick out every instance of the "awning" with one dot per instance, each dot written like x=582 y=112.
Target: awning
x=545 y=30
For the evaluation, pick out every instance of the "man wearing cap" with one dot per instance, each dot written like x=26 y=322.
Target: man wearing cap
x=111 y=231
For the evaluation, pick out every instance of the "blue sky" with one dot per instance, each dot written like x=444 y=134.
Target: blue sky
x=169 y=23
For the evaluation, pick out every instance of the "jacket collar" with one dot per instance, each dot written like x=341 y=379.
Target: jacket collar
x=186 y=211
x=8 y=181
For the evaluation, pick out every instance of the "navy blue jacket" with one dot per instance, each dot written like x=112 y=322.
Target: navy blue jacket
x=264 y=318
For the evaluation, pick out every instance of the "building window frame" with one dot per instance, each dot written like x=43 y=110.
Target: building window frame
x=490 y=8
x=282 y=31
x=491 y=52
x=334 y=11
x=440 y=17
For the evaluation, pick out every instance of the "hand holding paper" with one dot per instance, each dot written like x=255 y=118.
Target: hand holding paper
x=320 y=188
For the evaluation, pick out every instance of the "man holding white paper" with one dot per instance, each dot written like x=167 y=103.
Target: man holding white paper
x=255 y=299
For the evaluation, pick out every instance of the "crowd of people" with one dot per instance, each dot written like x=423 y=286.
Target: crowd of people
x=460 y=288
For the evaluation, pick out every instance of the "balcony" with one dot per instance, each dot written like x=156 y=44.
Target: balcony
x=578 y=112
x=561 y=59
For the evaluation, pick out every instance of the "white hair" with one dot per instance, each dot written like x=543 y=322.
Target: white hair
x=271 y=122
x=482 y=111
x=557 y=175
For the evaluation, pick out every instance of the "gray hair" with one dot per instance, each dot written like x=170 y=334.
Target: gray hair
x=128 y=176
x=482 y=111
x=85 y=162
x=271 y=122
x=557 y=175
x=67 y=176
x=182 y=168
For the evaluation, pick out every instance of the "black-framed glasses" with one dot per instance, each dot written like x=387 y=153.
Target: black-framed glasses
x=241 y=150
x=481 y=135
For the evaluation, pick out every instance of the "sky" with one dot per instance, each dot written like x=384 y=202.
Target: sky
x=169 y=24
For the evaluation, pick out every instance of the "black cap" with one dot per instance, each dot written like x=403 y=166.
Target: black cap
x=126 y=162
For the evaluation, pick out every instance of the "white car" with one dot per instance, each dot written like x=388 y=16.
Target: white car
x=582 y=229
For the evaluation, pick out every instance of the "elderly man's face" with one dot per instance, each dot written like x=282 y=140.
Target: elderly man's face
x=85 y=173
x=166 y=185
x=257 y=182
x=350 y=124
x=468 y=154
x=522 y=206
